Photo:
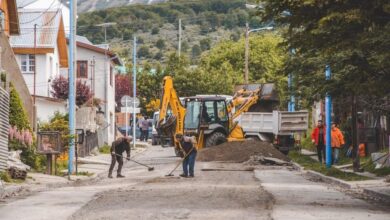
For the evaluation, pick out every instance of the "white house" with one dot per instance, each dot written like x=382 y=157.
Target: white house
x=96 y=66
x=41 y=51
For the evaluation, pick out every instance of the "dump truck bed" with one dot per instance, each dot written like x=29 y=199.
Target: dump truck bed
x=276 y=122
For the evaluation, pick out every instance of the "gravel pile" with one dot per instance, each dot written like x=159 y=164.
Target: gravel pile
x=240 y=151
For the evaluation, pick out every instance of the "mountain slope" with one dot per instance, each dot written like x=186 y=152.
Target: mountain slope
x=204 y=22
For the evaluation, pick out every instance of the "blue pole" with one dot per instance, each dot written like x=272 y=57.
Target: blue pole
x=328 y=119
x=71 y=97
x=291 y=102
x=134 y=84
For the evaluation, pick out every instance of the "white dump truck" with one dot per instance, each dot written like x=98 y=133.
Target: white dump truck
x=277 y=127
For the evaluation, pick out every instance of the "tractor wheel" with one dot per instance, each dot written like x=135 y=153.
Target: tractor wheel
x=215 y=139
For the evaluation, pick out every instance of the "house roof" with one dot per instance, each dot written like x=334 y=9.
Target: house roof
x=48 y=23
x=24 y=3
x=83 y=42
x=13 y=19
x=50 y=33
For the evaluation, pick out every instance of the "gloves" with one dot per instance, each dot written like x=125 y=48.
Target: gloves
x=113 y=153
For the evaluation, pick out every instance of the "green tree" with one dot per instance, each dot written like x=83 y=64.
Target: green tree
x=144 y=52
x=155 y=30
x=205 y=44
x=350 y=36
x=266 y=61
x=160 y=44
x=196 y=51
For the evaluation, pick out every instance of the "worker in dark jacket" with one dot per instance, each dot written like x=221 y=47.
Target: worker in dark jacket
x=189 y=146
x=117 y=148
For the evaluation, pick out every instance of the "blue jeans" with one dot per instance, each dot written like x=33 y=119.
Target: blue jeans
x=336 y=152
x=189 y=163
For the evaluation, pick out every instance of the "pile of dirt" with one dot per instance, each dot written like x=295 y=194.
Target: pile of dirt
x=240 y=151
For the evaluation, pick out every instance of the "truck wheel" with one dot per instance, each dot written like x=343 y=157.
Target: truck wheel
x=215 y=139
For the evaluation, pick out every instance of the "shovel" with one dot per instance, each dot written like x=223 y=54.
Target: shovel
x=149 y=167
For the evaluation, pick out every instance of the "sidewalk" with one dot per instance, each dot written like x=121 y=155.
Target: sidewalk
x=36 y=182
x=376 y=188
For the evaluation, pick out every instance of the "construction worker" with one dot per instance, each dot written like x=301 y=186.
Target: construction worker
x=318 y=138
x=117 y=148
x=337 y=142
x=189 y=146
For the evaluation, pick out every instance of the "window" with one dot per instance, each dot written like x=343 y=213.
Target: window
x=27 y=63
x=222 y=114
x=82 y=69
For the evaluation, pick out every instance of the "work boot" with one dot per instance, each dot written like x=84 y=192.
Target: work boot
x=110 y=175
x=183 y=175
x=191 y=176
x=120 y=176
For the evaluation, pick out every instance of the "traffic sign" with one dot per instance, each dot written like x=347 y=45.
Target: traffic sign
x=129 y=101
x=130 y=110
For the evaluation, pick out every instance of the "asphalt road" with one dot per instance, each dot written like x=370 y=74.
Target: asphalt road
x=267 y=193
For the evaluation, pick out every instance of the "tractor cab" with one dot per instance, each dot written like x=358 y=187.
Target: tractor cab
x=207 y=119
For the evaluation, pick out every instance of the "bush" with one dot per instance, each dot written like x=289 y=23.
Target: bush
x=155 y=30
x=17 y=114
x=105 y=149
x=4 y=176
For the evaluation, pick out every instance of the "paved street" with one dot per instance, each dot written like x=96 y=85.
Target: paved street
x=266 y=193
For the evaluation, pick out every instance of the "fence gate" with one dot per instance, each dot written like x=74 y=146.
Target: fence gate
x=4 y=126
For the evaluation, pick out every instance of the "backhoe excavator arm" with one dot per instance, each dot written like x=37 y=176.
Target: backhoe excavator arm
x=170 y=99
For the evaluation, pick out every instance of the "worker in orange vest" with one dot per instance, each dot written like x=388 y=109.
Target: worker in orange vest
x=337 y=142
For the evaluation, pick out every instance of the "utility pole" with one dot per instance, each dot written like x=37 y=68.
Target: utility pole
x=134 y=84
x=35 y=78
x=179 y=46
x=106 y=81
x=246 y=53
x=247 y=32
x=355 y=136
x=71 y=98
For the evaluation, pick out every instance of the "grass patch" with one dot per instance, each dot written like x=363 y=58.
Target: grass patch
x=311 y=164
x=370 y=167
x=105 y=149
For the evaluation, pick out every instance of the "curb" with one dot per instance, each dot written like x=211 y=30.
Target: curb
x=376 y=194
x=343 y=184
x=24 y=190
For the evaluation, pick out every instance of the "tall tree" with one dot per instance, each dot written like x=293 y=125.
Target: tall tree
x=122 y=87
x=352 y=36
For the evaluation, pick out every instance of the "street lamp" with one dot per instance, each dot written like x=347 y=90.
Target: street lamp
x=247 y=32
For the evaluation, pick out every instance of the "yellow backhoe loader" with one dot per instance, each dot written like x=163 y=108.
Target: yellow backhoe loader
x=208 y=118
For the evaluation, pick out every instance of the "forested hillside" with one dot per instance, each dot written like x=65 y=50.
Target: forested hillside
x=204 y=23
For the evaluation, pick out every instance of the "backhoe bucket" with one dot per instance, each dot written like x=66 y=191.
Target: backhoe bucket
x=167 y=128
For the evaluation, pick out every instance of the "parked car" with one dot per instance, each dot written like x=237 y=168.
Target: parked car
x=156 y=138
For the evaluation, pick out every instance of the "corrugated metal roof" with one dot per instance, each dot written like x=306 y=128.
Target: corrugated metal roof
x=24 y=3
x=4 y=123
x=83 y=39
x=47 y=28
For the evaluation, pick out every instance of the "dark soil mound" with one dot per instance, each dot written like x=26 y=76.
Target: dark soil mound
x=239 y=151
